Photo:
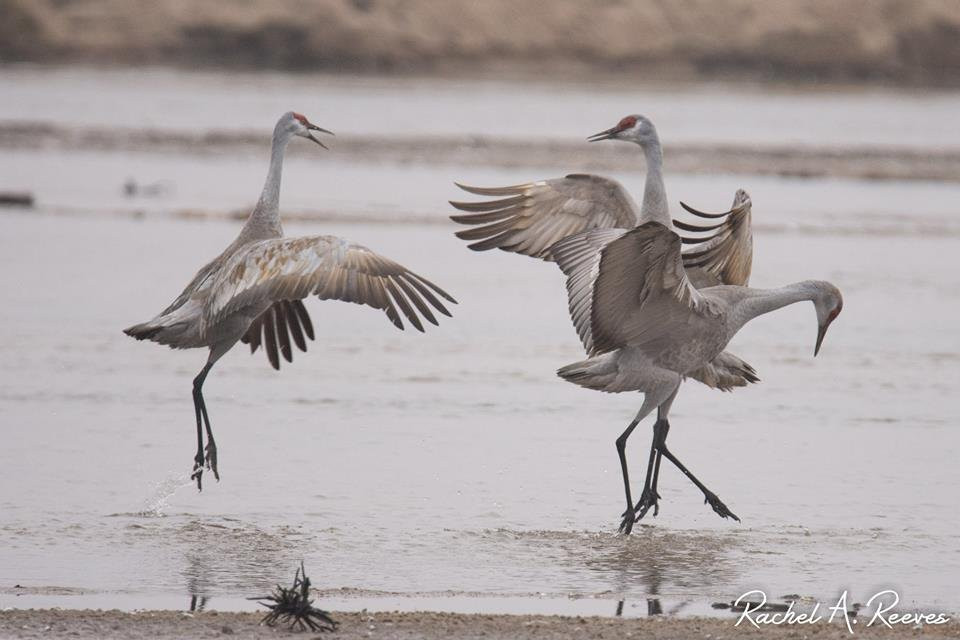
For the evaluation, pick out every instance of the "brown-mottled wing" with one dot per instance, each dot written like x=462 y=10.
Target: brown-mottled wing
x=328 y=267
x=274 y=328
x=530 y=218
x=723 y=257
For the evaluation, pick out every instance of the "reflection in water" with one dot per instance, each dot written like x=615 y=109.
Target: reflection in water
x=653 y=560
x=198 y=603
x=228 y=556
x=645 y=566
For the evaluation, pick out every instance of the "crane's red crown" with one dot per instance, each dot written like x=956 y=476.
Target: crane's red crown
x=302 y=118
x=626 y=123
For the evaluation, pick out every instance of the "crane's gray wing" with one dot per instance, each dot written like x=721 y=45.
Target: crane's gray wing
x=642 y=294
x=328 y=267
x=530 y=218
x=274 y=328
x=578 y=256
x=725 y=372
x=726 y=256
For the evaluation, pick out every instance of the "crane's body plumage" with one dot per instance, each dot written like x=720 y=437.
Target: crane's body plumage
x=648 y=315
x=633 y=296
x=533 y=217
x=648 y=328
x=252 y=291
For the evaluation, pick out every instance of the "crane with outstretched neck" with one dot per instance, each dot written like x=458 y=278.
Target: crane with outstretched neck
x=253 y=291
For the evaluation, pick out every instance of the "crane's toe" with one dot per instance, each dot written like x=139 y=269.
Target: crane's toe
x=198 y=471
x=717 y=505
x=648 y=499
x=626 y=525
x=211 y=459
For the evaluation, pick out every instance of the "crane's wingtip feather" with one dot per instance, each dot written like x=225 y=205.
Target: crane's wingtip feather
x=703 y=214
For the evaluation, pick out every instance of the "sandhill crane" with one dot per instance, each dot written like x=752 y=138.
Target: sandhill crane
x=530 y=218
x=648 y=327
x=253 y=290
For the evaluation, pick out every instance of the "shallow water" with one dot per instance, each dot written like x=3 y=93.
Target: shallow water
x=454 y=466
x=700 y=112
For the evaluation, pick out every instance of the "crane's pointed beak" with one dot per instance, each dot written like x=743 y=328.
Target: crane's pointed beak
x=821 y=332
x=604 y=135
x=313 y=127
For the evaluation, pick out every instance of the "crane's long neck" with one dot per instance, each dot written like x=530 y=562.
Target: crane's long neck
x=264 y=221
x=654 y=207
x=752 y=303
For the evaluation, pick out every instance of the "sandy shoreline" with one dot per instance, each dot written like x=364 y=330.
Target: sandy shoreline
x=159 y=625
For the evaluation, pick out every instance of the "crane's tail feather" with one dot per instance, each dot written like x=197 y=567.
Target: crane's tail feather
x=174 y=335
x=726 y=372
x=143 y=331
x=599 y=373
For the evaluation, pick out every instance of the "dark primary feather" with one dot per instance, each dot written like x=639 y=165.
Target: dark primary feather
x=274 y=328
x=726 y=255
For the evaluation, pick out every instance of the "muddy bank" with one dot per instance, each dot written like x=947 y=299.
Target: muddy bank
x=900 y=41
x=160 y=625
x=874 y=163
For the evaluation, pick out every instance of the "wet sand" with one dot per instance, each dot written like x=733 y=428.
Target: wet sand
x=160 y=625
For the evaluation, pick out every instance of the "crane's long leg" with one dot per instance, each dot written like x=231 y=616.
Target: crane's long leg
x=650 y=497
x=656 y=479
x=622 y=453
x=211 y=449
x=200 y=408
x=661 y=394
x=709 y=497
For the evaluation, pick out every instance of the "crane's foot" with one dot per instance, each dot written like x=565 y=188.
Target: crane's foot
x=626 y=524
x=198 y=471
x=211 y=459
x=717 y=505
x=648 y=499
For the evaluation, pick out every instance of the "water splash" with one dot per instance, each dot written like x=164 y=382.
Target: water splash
x=159 y=498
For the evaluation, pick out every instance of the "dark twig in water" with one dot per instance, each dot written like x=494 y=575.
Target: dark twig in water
x=293 y=606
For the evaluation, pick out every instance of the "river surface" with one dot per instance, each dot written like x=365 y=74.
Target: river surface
x=454 y=470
